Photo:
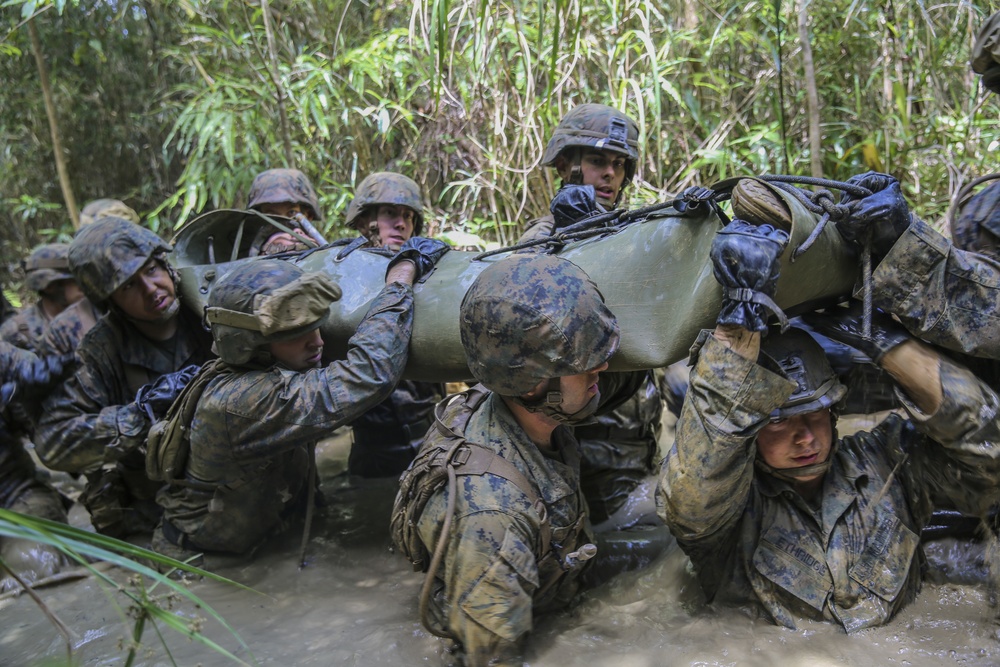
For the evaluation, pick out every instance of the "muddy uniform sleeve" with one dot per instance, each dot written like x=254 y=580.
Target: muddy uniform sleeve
x=947 y=296
x=265 y=416
x=492 y=570
x=956 y=464
x=538 y=228
x=705 y=479
x=87 y=421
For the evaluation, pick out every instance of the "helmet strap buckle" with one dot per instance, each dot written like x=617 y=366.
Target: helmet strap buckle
x=617 y=133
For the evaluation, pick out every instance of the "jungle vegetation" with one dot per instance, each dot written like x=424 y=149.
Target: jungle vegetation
x=174 y=106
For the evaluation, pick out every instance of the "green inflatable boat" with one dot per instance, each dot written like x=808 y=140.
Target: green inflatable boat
x=653 y=270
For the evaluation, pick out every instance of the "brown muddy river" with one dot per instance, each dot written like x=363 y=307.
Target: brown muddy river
x=356 y=604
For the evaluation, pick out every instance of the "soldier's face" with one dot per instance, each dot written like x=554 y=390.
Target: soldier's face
x=149 y=295
x=579 y=390
x=286 y=209
x=798 y=441
x=603 y=169
x=300 y=353
x=63 y=292
x=395 y=225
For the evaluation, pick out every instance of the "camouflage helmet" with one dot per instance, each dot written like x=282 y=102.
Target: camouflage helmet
x=385 y=187
x=530 y=318
x=104 y=208
x=596 y=126
x=977 y=227
x=276 y=186
x=45 y=265
x=803 y=361
x=105 y=254
x=986 y=53
x=265 y=301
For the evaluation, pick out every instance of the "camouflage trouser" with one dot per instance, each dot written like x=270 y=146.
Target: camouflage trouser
x=121 y=502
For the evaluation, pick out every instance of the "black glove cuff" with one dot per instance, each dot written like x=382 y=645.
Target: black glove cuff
x=756 y=303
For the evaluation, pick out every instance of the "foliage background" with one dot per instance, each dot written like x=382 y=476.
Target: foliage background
x=175 y=106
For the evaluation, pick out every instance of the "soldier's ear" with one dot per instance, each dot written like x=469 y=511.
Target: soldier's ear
x=562 y=166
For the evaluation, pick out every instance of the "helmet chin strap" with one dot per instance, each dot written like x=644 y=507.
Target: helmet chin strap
x=549 y=405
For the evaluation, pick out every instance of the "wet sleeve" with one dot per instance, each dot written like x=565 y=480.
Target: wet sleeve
x=57 y=340
x=947 y=296
x=705 y=479
x=492 y=575
x=85 y=422
x=284 y=409
x=956 y=463
x=538 y=228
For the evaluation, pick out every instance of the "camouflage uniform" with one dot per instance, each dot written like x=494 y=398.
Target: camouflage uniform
x=46 y=264
x=93 y=424
x=253 y=424
x=26 y=329
x=21 y=490
x=619 y=451
x=525 y=320
x=947 y=296
x=67 y=329
x=494 y=579
x=386 y=437
x=855 y=559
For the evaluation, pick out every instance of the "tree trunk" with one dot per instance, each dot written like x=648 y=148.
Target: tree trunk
x=812 y=95
x=286 y=135
x=50 y=111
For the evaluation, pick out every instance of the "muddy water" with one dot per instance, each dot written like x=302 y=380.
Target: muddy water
x=356 y=604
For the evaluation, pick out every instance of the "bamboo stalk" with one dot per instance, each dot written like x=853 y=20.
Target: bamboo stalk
x=50 y=111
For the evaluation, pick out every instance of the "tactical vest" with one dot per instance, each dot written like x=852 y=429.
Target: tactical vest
x=169 y=441
x=441 y=463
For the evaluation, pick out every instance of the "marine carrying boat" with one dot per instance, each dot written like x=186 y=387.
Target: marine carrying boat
x=652 y=267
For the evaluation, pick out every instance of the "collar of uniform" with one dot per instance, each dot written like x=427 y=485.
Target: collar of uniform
x=135 y=348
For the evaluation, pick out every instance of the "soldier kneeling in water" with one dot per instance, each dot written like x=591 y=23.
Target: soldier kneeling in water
x=245 y=423
x=770 y=505
x=508 y=531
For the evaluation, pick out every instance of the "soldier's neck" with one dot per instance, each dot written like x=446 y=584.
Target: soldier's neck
x=158 y=331
x=536 y=426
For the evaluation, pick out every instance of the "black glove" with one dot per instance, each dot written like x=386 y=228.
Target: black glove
x=844 y=326
x=156 y=397
x=884 y=212
x=745 y=262
x=574 y=203
x=32 y=376
x=424 y=253
x=692 y=198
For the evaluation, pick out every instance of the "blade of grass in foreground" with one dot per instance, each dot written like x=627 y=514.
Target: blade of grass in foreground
x=83 y=546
